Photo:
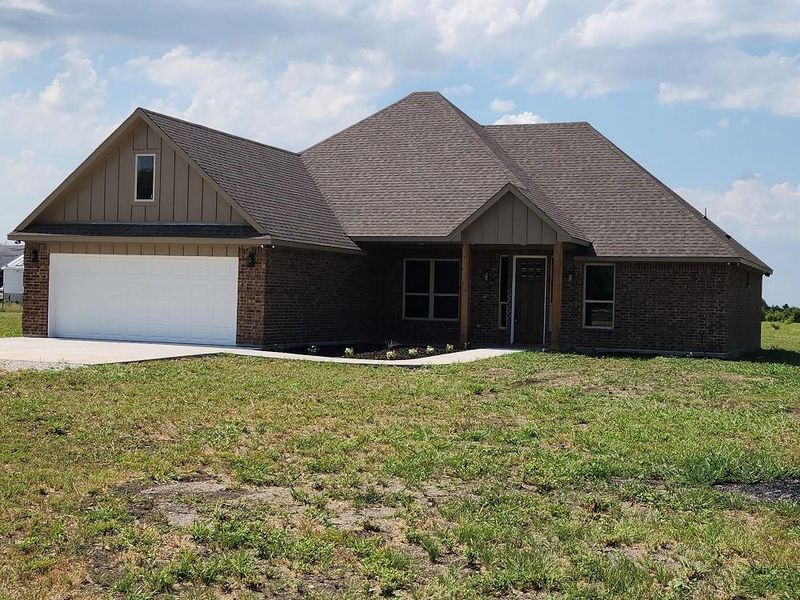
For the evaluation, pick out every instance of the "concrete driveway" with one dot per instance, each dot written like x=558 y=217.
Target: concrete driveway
x=45 y=353
x=51 y=351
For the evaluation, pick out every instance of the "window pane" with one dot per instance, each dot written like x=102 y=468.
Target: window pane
x=445 y=307
x=144 y=177
x=445 y=275
x=417 y=307
x=418 y=276
x=503 y=279
x=599 y=282
x=599 y=315
x=503 y=315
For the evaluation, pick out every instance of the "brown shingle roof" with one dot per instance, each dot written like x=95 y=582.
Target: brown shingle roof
x=270 y=184
x=421 y=167
x=418 y=168
x=622 y=208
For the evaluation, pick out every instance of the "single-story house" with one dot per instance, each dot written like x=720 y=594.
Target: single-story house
x=415 y=224
x=12 y=280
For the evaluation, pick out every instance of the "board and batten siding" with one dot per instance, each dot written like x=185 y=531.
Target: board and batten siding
x=105 y=193
x=143 y=249
x=509 y=221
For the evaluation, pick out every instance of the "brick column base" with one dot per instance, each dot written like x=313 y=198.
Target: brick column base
x=252 y=296
x=36 y=283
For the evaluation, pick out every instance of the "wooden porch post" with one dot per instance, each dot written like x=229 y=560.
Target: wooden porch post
x=464 y=312
x=558 y=279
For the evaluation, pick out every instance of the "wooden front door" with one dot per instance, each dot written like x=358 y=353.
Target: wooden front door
x=529 y=300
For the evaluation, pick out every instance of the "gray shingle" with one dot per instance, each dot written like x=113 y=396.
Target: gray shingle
x=418 y=168
x=623 y=209
x=271 y=184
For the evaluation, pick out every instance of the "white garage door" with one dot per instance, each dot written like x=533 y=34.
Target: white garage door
x=189 y=299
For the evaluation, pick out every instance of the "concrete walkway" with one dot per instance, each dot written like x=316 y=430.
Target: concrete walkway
x=38 y=353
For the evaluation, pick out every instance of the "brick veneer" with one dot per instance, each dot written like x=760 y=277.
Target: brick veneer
x=37 y=290
x=668 y=307
x=293 y=296
x=252 y=297
x=318 y=297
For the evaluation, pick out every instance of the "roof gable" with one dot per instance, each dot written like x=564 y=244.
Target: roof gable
x=271 y=185
x=418 y=168
x=101 y=190
x=623 y=209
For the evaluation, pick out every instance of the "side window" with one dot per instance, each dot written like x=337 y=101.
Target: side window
x=598 y=296
x=145 y=177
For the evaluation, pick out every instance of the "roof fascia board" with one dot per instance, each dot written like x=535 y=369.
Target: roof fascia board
x=81 y=169
x=562 y=235
x=318 y=247
x=677 y=259
x=120 y=239
x=242 y=212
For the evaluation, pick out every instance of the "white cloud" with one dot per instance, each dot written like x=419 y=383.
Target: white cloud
x=27 y=179
x=15 y=50
x=523 y=118
x=296 y=107
x=63 y=116
x=464 y=27
x=752 y=209
x=502 y=106
x=723 y=123
x=28 y=5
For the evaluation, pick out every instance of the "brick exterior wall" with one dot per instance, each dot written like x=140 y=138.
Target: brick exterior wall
x=318 y=297
x=744 y=310
x=37 y=290
x=668 y=307
x=251 y=297
x=292 y=296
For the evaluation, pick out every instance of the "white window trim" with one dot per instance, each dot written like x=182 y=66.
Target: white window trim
x=612 y=302
x=501 y=306
x=514 y=295
x=430 y=293
x=135 y=176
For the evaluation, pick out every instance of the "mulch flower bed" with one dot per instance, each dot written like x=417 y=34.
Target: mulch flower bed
x=375 y=351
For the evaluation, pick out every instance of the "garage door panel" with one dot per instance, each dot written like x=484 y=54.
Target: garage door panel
x=146 y=298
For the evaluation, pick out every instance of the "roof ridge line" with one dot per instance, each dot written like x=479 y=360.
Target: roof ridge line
x=525 y=182
x=727 y=239
x=220 y=131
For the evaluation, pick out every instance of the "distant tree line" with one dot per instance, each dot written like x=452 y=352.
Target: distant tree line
x=785 y=313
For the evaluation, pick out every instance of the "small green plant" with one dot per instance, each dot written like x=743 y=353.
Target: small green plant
x=313 y=350
x=349 y=352
x=449 y=348
x=391 y=355
x=430 y=350
x=413 y=352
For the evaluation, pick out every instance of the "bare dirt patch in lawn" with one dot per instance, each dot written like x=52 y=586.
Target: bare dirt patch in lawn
x=767 y=491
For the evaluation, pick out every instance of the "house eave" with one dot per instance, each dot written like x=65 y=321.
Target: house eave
x=50 y=237
x=678 y=259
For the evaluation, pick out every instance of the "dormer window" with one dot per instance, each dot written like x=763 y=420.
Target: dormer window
x=145 y=177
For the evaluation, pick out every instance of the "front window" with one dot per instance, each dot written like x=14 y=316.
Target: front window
x=430 y=289
x=145 y=177
x=598 y=296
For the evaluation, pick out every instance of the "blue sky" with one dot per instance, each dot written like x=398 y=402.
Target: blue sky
x=704 y=93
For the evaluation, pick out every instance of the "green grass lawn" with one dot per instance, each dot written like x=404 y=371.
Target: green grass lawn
x=784 y=336
x=539 y=474
x=11 y=320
